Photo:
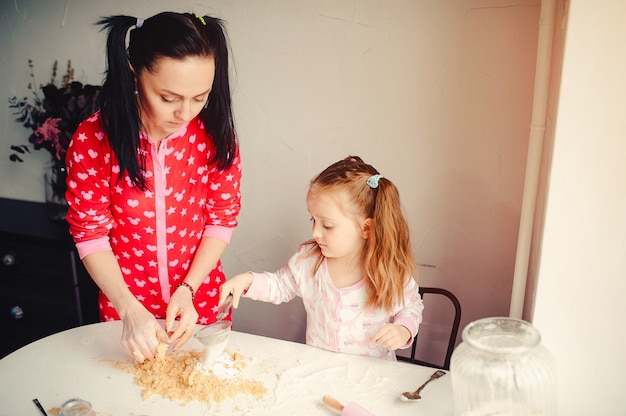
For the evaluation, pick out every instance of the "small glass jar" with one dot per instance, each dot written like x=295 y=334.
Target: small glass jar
x=500 y=369
x=75 y=407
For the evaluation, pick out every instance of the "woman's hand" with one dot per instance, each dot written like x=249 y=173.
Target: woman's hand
x=181 y=306
x=235 y=286
x=141 y=333
x=392 y=336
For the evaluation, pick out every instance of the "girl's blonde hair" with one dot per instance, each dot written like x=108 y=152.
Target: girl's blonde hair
x=386 y=256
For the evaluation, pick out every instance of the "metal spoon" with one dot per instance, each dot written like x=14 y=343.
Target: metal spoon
x=415 y=395
x=223 y=311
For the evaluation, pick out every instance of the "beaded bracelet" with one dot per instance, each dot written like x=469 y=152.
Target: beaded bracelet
x=183 y=284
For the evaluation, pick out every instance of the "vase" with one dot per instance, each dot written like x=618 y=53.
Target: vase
x=500 y=369
x=55 y=187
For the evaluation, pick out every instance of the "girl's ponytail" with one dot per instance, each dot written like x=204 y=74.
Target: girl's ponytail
x=388 y=255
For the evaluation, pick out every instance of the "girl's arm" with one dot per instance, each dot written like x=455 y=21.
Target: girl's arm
x=401 y=332
x=281 y=286
x=268 y=287
x=410 y=315
x=236 y=286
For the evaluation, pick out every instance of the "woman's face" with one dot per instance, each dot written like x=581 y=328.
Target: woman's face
x=173 y=93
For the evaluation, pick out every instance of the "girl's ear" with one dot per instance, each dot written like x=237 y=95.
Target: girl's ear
x=366 y=227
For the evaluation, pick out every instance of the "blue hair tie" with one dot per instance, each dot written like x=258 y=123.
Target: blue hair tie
x=372 y=181
x=139 y=22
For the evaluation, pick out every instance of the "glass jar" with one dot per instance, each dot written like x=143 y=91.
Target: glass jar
x=501 y=368
x=215 y=338
x=75 y=407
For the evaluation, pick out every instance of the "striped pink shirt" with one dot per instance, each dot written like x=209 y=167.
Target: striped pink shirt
x=337 y=319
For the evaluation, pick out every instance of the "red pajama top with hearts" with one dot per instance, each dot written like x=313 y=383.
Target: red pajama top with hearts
x=155 y=233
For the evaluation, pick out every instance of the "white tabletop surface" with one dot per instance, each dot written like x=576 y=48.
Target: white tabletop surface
x=77 y=363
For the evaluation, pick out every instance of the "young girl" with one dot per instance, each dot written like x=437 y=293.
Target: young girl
x=355 y=275
x=153 y=178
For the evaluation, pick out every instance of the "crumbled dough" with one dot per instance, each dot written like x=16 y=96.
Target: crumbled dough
x=179 y=377
x=161 y=348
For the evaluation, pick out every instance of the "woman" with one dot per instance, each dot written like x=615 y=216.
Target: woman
x=153 y=178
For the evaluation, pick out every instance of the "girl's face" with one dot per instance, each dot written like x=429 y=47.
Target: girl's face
x=174 y=93
x=338 y=231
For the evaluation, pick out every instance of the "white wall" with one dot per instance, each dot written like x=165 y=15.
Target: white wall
x=579 y=305
x=436 y=94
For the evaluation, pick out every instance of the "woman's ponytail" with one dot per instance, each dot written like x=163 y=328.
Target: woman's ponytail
x=118 y=103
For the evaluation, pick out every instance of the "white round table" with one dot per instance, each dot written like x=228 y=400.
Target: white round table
x=77 y=363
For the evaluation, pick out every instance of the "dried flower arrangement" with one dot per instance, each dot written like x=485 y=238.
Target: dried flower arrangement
x=53 y=118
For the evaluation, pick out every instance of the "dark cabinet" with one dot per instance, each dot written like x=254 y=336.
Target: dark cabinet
x=44 y=288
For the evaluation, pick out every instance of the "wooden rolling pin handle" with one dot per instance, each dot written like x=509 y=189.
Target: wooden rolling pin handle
x=332 y=403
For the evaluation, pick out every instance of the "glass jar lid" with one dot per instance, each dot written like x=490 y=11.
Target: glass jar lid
x=501 y=335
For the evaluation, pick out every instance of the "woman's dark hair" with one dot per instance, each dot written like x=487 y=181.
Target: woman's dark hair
x=165 y=35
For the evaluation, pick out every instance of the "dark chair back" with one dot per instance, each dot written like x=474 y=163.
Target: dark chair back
x=426 y=293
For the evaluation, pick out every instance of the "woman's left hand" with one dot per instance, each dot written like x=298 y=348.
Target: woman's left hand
x=392 y=336
x=180 y=306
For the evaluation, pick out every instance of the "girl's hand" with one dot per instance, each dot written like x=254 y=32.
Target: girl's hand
x=141 y=333
x=181 y=306
x=392 y=336
x=235 y=286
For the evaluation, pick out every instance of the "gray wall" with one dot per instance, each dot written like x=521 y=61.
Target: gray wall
x=436 y=94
